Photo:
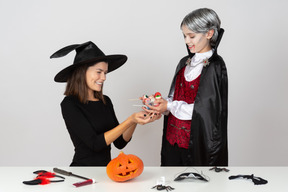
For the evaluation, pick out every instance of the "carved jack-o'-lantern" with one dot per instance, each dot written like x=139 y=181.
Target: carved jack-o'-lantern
x=124 y=167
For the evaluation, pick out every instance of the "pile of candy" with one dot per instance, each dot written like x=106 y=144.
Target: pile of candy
x=151 y=99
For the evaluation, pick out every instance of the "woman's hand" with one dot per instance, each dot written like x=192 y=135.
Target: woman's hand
x=144 y=117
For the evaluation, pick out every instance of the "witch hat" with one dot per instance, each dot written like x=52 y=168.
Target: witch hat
x=86 y=53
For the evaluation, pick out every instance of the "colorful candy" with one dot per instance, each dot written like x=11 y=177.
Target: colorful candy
x=150 y=100
x=157 y=95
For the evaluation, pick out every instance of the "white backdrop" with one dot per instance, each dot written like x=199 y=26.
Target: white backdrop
x=254 y=47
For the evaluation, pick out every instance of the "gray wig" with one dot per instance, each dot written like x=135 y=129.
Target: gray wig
x=203 y=20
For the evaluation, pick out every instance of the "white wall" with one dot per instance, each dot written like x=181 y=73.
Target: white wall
x=32 y=131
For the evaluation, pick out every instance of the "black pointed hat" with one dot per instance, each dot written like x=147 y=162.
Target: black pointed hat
x=86 y=53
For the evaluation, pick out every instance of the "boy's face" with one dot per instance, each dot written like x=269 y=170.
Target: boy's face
x=197 y=42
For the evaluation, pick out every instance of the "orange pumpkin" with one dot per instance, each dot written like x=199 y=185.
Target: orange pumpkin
x=124 y=167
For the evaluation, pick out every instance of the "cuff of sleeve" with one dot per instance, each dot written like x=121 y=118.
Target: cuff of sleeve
x=169 y=105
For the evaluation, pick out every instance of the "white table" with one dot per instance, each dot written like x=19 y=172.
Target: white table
x=11 y=179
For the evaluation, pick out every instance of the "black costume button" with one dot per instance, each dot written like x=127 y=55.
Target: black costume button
x=180 y=84
x=192 y=86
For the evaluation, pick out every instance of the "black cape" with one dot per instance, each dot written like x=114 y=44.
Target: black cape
x=208 y=139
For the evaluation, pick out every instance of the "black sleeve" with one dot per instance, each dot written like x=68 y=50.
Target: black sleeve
x=79 y=128
x=119 y=143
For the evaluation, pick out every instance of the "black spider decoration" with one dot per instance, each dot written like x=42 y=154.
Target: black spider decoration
x=218 y=169
x=162 y=187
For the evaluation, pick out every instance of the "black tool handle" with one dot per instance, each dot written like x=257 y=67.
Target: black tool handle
x=60 y=171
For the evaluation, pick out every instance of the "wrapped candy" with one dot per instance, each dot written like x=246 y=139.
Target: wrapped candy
x=150 y=100
x=157 y=95
x=145 y=97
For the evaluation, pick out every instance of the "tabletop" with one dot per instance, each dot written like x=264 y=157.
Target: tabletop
x=11 y=179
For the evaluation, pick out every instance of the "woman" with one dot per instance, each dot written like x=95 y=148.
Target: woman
x=88 y=114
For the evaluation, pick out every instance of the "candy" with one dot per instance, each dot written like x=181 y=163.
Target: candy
x=147 y=100
x=157 y=95
x=150 y=100
x=145 y=97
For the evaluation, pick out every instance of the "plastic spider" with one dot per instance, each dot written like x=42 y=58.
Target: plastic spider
x=217 y=169
x=162 y=187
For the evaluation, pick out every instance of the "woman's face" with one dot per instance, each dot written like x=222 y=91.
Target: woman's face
x=95 y=77
x=197 y=42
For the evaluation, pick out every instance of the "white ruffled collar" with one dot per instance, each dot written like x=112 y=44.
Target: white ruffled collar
x=201 y=58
